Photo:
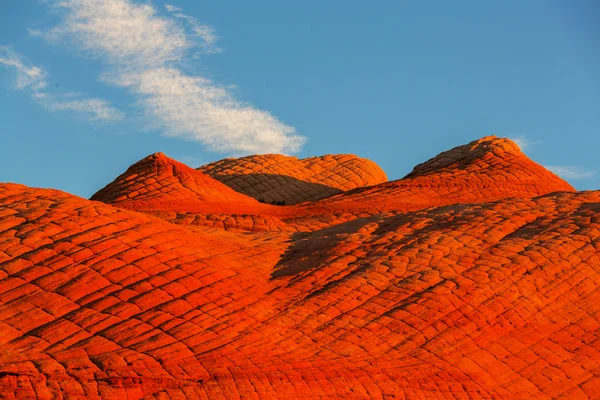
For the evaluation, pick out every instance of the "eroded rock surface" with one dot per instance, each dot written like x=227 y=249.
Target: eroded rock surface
x=484 y=170
x=279 y=178
x=159 y=182
x=164 y=187
x=470 y=278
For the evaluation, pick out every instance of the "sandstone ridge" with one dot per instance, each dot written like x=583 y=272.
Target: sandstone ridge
x=275 y=177
x=158 y=178
x=476 y=276
x=484 y=170
x=495 y=151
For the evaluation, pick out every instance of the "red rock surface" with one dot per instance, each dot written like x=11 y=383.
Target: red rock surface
x=484 y=170
x=161 y=186
x=159 y=182
x=474 y=277
x=487 y=169
x=275 y=177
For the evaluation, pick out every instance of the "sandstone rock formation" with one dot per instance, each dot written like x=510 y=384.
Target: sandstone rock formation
x=476 y=276
x=276 y=178
x=484 y=170
x=161 y=186
x=159 y=182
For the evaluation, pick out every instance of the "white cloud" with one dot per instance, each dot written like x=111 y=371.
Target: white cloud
x=143 y=50
x=92 y=108
x=28 y=76
x=571 y=171
x=127 y=35
x=34 y=79
x=523 y=142
x=34 y=32
x=204 y=32
x=196 y=109
x=172 y=8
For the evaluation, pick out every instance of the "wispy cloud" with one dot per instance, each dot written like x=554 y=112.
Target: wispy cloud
x=524 y=143
x=172 y=8
x=93 y=108
x=143 y=52
x=34 y=79
x=28 y=76
x=571 y=171
x=34 y=32
x=204 y=32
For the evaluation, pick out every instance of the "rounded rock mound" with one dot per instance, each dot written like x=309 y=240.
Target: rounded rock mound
x=492 y=167
x=490 y=156
x=484 y=170
x=161 y=183
x=275 y=178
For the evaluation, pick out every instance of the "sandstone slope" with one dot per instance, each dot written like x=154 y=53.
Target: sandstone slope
x=491 y=300
x=276 y=178
x=476 y=276
x=159 y=182
x=164 y=187
x=484 y=170
x=487 y=169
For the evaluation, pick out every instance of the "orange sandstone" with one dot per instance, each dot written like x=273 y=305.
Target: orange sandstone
x=275 y=177
x=476 y=276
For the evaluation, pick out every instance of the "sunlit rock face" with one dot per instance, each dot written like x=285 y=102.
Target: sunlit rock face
x=476 y=276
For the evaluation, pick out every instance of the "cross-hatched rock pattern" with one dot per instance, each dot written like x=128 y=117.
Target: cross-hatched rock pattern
x=450 y=297
x=484 y=170
x=159 y=182
x=162 y=186
x=277 y=178
x=487 y=169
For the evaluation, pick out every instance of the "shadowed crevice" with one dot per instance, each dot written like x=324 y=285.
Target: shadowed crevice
x=276 y=188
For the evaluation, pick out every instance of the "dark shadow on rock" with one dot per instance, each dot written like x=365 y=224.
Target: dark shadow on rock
x=309 y=250
x=276 y=188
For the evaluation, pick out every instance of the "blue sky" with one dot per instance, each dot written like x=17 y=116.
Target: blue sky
x=88 y=88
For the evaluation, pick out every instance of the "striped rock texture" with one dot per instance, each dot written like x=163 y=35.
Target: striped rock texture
x=476 y=276
x=275 y=177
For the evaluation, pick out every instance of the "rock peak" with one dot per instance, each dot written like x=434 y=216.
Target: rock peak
x=494 y=142
x=480 y=151
x=158 y=179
